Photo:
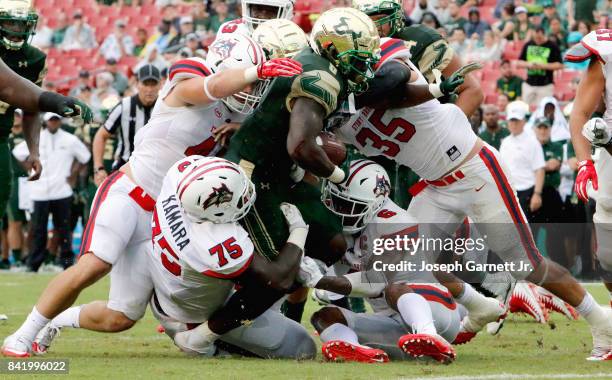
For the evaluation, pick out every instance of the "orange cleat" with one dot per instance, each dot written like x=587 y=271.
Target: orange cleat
x=431 y=345
x=338 y=350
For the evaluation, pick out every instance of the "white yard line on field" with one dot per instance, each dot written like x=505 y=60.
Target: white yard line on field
x=511 y=376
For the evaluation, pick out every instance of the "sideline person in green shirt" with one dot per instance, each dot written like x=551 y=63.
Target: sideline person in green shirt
x=494 y=131
x=509 y=83
x=550 y=215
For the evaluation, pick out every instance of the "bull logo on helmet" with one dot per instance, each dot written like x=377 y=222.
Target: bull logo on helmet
x=223 y=47
x=382 y=188
x=218 y=196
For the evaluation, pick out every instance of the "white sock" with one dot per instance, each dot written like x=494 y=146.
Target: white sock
x=338 y=331
x=591 y=311
x=470 y=298
x=68 y=318
x=32 y=325
x=415 y=311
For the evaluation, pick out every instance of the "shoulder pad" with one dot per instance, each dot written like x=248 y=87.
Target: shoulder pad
x=188 y=68
x=598 y=43
x=220 y=250
x=392 y=48
x=393 y=220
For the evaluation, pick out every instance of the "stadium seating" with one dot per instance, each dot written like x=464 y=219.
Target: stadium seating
x=64 y=66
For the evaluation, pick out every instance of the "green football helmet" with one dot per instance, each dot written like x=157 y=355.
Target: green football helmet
x=349 y=40
x=392 y=9
x=17 y=23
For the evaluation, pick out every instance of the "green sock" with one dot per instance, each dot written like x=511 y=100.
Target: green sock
x=357 y=304
x=16 y=255
x=293 y=311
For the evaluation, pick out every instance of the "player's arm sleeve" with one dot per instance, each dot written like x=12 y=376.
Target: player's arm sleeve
x=21 y=151
x=113 y=121
x=318 y=85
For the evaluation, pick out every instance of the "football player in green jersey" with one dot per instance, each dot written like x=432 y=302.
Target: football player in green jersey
x=428 y=48
x=283 y=129
x=22 y=69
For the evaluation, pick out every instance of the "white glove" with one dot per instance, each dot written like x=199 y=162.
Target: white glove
x=293 y=217
x=598 y=132
x=199 y=341
x=310 y=272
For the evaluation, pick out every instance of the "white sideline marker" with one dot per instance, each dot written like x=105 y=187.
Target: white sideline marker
x=522 y=376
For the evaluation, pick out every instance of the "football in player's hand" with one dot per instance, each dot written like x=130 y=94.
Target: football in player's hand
x=334 y=148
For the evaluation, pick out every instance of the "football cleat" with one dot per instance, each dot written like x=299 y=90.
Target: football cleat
x=598 y=356
x=554 y=303
x=339 y=350
x=430 y=345
x=191 y=342
x=492 y=311
x=525 y=300
x=602 y=340
x=16 y=347
x=44 y=338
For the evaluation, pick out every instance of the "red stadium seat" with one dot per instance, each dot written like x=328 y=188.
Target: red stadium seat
x=491 y=98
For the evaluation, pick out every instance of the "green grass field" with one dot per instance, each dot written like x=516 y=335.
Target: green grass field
x=556 y=350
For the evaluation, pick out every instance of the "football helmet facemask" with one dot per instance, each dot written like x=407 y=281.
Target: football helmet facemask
x=391 y=9
x=18 y=21
x=349 y=39
x=256 y=12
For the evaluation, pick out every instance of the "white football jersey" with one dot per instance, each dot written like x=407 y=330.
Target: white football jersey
x=175 y=132
x=599 y=43
x=191 y=263
x=430 y=138
x=390 y=221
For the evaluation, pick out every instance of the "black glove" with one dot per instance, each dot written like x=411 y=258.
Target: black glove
x=64 y=106
x=386 y=86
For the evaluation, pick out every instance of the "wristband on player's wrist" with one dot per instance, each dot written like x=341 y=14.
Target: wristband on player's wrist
x=99 y=169
x=298 y=237
x=250 y=74
x=337 y=175
x=435 y=91
x=584 y=163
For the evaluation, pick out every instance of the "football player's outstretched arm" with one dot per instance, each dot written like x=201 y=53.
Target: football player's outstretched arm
x=20 y=92
x=280 y=273
x=203 y=90
x=351 y=284
x=588 y=94
x=31 y=134
x=590 y=89
x=392 y=87
x=305 y=124
x=470 y=93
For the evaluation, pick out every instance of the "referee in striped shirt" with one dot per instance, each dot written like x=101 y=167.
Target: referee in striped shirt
x=128 y=116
